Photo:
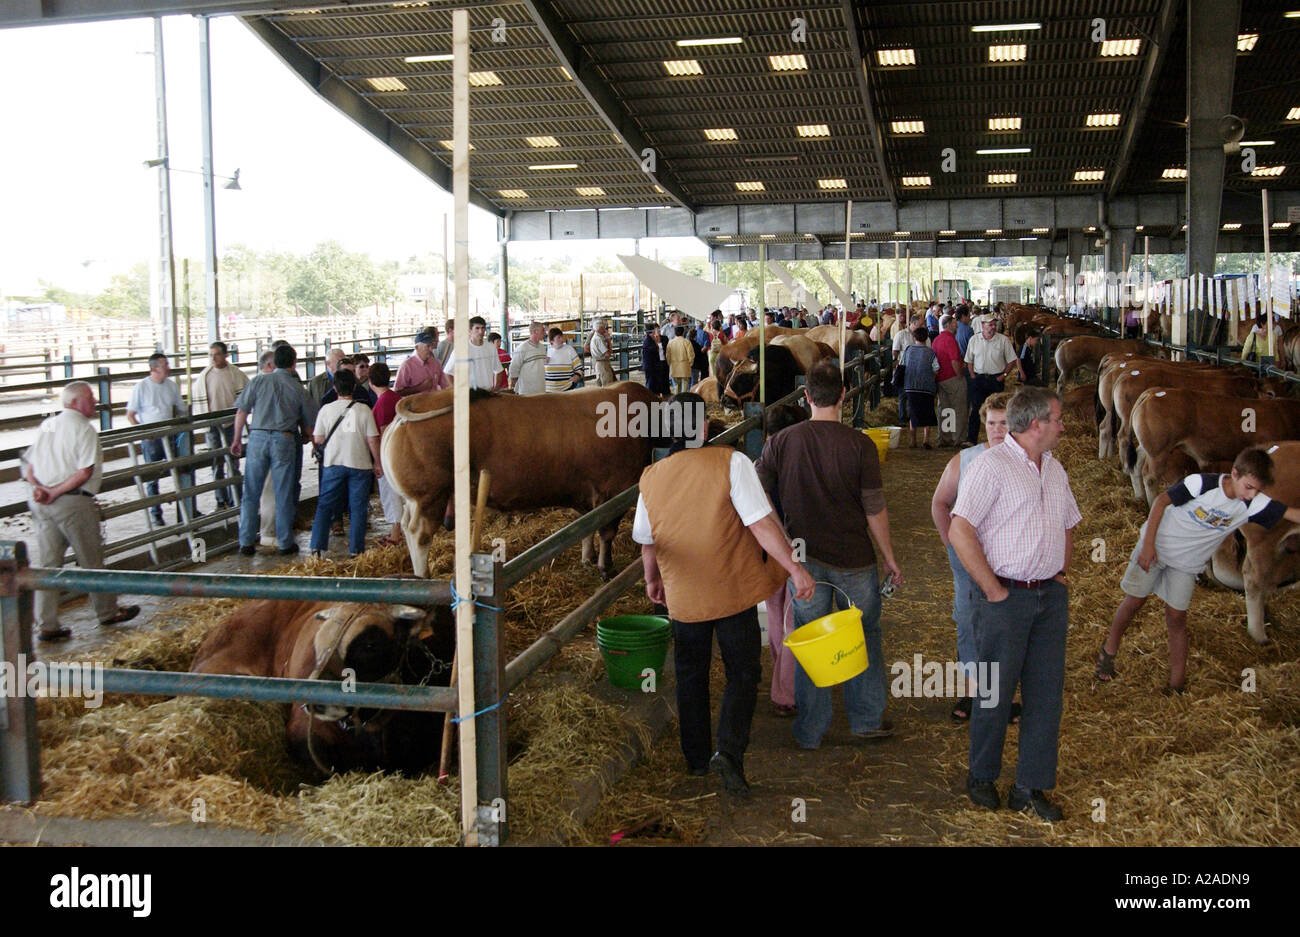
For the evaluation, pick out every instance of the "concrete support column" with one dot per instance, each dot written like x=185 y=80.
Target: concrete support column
x=503 y=278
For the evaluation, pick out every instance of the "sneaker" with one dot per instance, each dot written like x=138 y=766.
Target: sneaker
x=1033 y=800
x=983 y=793
x=883 y=731
x=248 y=550
x=290 y=550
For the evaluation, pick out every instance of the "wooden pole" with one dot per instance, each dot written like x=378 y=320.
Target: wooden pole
x=1146 y=283
x=1268 y=277
x=446 y=273
x=762 y=322
x=848 y=275
x=460 y=430
x=908 y=278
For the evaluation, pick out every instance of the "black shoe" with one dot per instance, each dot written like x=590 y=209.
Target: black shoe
x=984 y=793
x=248 y=550
x=698 y=772
x=1037 y=800
x=884 y=731
x=125 y=613
x=158 y=519
x=733 y=778
x=290 y=550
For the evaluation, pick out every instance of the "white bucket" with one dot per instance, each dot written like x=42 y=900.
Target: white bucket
x=895 y=436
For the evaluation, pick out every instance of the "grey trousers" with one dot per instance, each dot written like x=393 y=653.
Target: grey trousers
x=71 y=519
x=1024 y=635
x=604 y=372
x=952 y=397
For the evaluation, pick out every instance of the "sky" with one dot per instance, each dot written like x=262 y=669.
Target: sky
x=77 y=204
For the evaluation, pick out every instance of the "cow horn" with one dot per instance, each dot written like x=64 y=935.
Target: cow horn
x=407 y=613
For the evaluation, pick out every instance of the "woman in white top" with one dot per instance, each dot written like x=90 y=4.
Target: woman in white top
x=994 y=415
x=349 y=437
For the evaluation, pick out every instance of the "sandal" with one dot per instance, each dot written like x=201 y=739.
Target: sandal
x=59 y=634
x=1013 y=716
x=1106 y=671
x=961 y=712
x=783 y=711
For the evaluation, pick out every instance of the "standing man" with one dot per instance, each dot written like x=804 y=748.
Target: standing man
x=563 y=366
x=446 y=346
x=214 y=389
x=964 y=331
x=320 y=385
x=681 y=359
x=64 y=467
x=953 y=417
x=600 y=348
x=266 y=507
x=484 y=365
x=991 y=357
x=385 y=411
x=528 y=366
x=152 y=400
x=826 y=478
x=361 y=367
x=1012 y=529
x=422 y=371
x=652 y=364
x=281 y=416
x=713 y=488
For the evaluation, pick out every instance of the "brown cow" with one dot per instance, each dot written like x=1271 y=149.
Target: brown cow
x=708 y=389
x=1108 y=371
x=806 y=351
x=855 y=339
x=1260 y=562
x=320 y=640
x=1087 y=351
x=1207 y=427
x=1081 y=402
x=543 y=451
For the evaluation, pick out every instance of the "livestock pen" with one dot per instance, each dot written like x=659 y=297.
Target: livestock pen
x=494 y=678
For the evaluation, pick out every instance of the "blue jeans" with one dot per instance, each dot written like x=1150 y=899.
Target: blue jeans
x=962 y=611
x=1024 y=635
x=153 y=450
x=339 y=484
x=864 y=695
x=269 y=453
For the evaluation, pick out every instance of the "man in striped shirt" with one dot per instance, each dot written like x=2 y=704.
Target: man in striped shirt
x=1012 y=528
x=563 y=366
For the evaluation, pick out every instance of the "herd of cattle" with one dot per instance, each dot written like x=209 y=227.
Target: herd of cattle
x=1163 y=419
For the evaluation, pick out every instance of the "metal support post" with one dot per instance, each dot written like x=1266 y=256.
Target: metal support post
x=105 y=399
x=489 y=687
x=209 y=185
x=753 y=438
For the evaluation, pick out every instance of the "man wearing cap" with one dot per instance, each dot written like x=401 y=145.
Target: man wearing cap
x=715 y=489
x=991 y=357
x=64 y=466
x=1012 y=529
x=421 y=372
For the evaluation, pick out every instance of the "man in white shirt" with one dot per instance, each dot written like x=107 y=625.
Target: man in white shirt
x=152 y=400
x=600 y=347
x=991 y=357
x=528 y=366
x=64 y=469
x=484 y=365
x=215 y=389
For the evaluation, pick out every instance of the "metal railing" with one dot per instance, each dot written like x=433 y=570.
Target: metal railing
x=493 y=680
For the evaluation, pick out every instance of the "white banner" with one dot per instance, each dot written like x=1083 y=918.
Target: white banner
x=691 y=295
x=1250 y=296
x=846 y=301
x=1215 y=287
x=1281 y=291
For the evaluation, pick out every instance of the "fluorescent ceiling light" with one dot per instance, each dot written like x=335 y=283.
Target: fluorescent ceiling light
x=813 y=130
x=1121 y=47
x=592 y=190
x=722 y=237
x=947 y=233
x=387 y=84
x=832 y=183
x=902 y=234
x=1004 y=123
x=1281 y=224
x=787 y=63
x=1039 y=230
x=542 y=167
x=907 y=126
x=1089 y=175
x=892 y=57
x=1231 y=225
x=1256 y=143
x=1091 y=229
x=659 y=189
x=565 y=72
x=1246 y=41
x=1269 y=171
x=912 y=182
x=1003 y=151
x=680 y=67
x=1102 y=120
x=513 y=193
x=1293 y=114
x=750 y=186
x=718 y=41
x=767 y=237
x=451 y=144
x=992 y=230
x=1002 y=178
x=1174 y=172
x=483 y=79
x=1005 y=27
x=542 y=141
x=721 y=133
x=1140 y=227
x=1008 y=53
x=417 y=59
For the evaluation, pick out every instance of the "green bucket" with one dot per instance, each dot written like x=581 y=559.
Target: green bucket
x=630 y=644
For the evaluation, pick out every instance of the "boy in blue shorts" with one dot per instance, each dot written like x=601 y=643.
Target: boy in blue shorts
x=1186 y=525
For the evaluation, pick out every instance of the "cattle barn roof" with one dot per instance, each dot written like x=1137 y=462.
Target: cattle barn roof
x=704 y=103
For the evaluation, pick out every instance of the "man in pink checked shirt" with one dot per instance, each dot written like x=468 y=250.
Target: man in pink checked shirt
x=1012 y=528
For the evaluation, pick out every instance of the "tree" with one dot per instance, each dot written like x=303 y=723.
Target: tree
x=127 y=294
x=330 y=275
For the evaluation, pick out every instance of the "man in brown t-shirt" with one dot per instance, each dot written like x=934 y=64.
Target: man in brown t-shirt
x=824 y=479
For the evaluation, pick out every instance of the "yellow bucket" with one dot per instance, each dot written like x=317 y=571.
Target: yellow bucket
x=832 y=648
x=880 y=436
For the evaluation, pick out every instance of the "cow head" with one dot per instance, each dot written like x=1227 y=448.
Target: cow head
x=367 y=639
x=742 y=384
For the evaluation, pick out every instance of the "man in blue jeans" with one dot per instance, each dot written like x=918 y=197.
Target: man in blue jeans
x=824 y=479
x=280 y=415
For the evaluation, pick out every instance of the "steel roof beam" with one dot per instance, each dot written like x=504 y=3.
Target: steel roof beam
x=361 y=111
x=594 y=88
x=1146 y=89
x=43 y=12
x=853 y=33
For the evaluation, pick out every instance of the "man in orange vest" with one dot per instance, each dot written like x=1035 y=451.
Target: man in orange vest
x=712 y=584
